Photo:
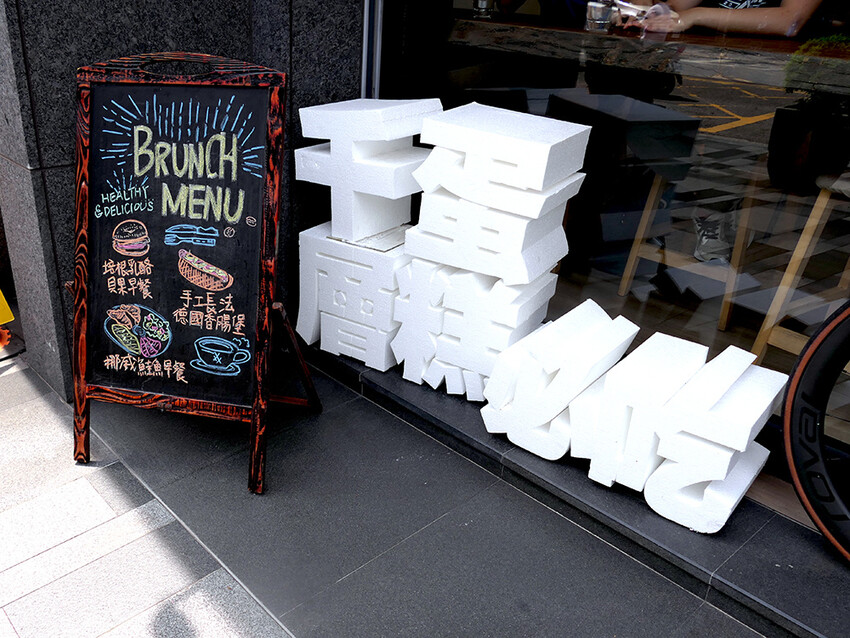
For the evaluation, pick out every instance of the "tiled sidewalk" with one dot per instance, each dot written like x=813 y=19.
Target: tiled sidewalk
x=86 y=550
x=368 y=528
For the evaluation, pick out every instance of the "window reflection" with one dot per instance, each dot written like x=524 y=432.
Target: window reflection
x=713 y=207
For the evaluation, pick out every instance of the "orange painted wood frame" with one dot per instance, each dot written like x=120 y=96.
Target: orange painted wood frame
x=215 y=71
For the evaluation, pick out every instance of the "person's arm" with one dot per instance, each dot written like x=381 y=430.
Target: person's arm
x=786 y=19
x=682 y=5
x=676 y=5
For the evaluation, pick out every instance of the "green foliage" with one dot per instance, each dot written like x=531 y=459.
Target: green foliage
x=820 y=62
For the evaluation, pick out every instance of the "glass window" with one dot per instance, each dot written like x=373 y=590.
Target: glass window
x=710 y=210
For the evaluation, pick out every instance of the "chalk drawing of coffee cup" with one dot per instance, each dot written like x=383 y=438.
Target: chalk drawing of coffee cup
x=219 y=356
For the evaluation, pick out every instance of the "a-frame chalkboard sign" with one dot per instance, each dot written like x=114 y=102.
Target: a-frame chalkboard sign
x=177 y=194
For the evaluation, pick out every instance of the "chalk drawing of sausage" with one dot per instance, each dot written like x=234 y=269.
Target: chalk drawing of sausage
x=202 y=273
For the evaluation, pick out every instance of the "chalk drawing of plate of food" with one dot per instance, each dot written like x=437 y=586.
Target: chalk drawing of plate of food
x=138 y=330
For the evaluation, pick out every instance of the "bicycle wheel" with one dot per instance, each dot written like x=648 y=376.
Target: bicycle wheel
x=816 y=422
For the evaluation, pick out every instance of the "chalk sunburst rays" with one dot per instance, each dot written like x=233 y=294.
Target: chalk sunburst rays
x=177 y=121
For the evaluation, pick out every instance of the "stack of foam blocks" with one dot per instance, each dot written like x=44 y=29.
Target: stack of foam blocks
x=490 y=232
x=460 y=298
x=474 y=276
x=661 y=421
x=348 y=265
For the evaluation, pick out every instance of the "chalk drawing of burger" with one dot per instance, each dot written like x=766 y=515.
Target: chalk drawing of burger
x=130 y=238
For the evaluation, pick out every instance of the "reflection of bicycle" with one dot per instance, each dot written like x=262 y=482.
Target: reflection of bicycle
x=816 y=420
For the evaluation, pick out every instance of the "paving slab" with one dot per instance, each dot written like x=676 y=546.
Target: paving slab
x=500 y=564
x=21 y=386
x=214 y=606
x=710 y=621
x=91 y=548
x=50 y=519
x=38 y=449
x=79 y=551
x=119 y=488
x=793 y=572
x=342 y=488
x=108 y=591
x=162 y=447
x=6 y=629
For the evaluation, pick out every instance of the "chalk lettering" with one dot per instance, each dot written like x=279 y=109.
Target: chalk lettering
x=141 y=150
x=198 y=160
x=123 y=209
x=133 y=192
x=196 y=201
x=162 y=149
x=212 y=202
x=170 y=205
x=234 y=218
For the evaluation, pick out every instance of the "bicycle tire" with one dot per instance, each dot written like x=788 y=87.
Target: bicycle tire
x=804 y=415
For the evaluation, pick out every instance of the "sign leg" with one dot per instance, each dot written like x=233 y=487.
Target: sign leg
x=313 y=401
x=257 y=468
x=81 y=430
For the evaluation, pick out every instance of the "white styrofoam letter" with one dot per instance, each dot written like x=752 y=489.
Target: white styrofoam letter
x=649 y=376
x=516 y=149
x=369 y=162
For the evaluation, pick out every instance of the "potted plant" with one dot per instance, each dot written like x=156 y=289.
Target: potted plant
x=811 y=137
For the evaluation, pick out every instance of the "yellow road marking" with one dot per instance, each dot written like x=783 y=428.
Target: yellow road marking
x=743 y=121
x=736 y=84
x=723 y=109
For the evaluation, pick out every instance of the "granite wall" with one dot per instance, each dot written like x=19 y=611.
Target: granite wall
x=319 y=46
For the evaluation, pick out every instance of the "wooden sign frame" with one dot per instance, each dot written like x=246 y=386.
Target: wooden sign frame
x=216 y=72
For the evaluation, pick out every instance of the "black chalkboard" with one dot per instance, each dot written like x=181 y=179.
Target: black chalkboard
x=175 y=207
x=178 y=187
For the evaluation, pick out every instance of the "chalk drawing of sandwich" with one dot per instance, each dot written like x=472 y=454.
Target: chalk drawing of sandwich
x=202 y=273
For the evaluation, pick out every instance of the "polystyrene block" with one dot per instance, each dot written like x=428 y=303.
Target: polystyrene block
x=366 y=344
x=447 y=215
x=474 y=384
x=516 y=367
x=368 y=163
x=458 y=380
x=367 y=119
x=549 y=441
x=432 y=171
x=347 y=281
x=712 y=381
x=740 y=414
x=419 y=309
x=367 y=215
x=561 y=428
x=445 y=168
x=439 y=371
x=649 y=376
x=584 y=419
x=480 y=239
x=727 y=401
x=689 y=492
x=706 y=432
x=370 y=183
x=388 y=172
x=516 y=381
x=484 y=316
x=535 y=379
x=516 y=149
